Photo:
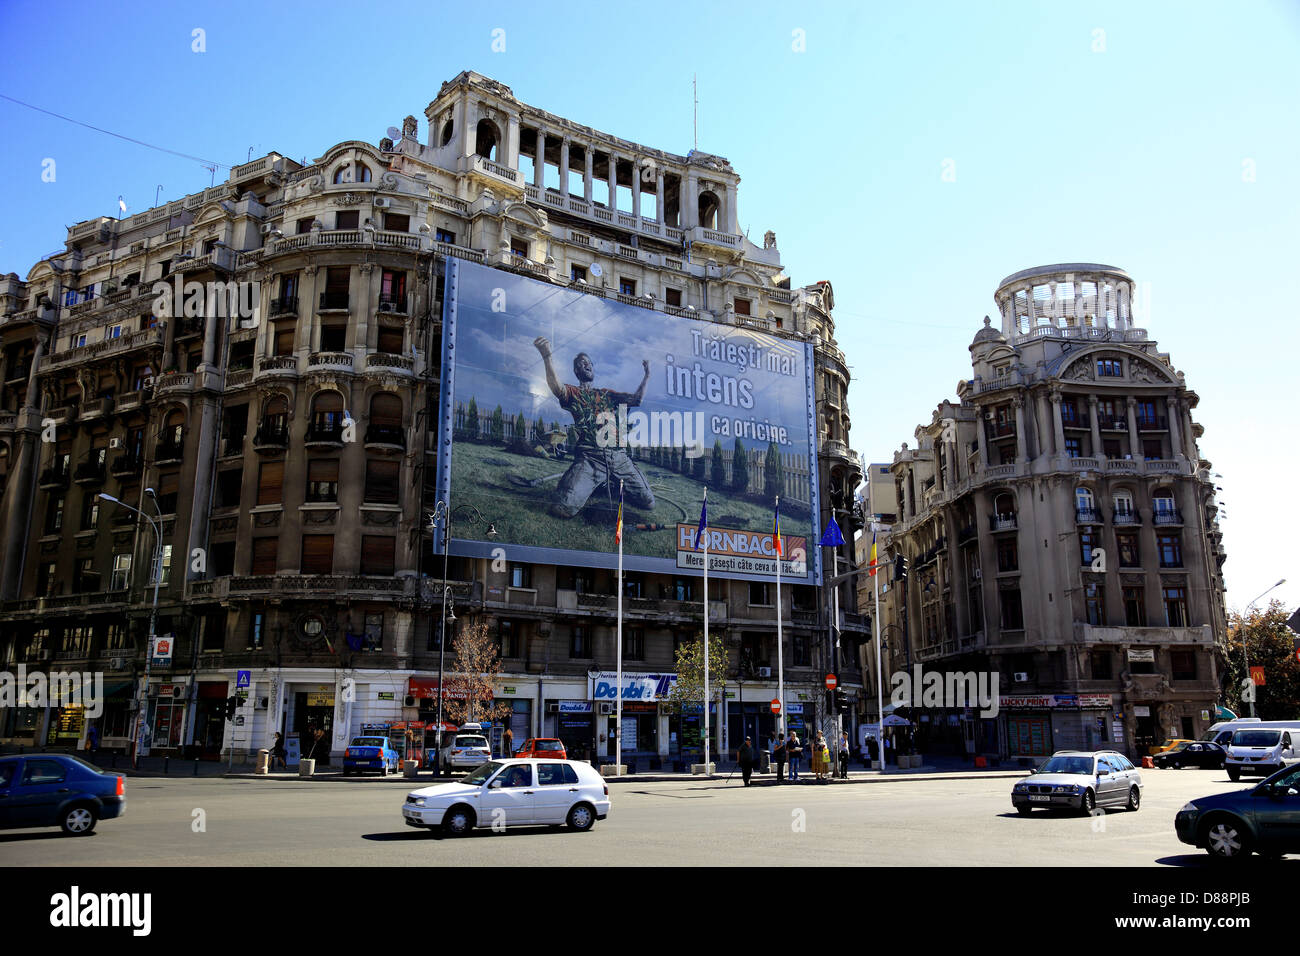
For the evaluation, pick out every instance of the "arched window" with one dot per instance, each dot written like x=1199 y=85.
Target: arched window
x=709 y=207
x=1162 y=503
x=447 y=129
x=363 y=173
x=326 y=417
x=1085 y=504
x=486 y=139
x=385 y=425
x=1123 y=501
x=342 y=175
x=1005 y=505
x=173 y=432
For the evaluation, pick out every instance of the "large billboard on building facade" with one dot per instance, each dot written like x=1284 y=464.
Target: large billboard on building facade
x=552 y=397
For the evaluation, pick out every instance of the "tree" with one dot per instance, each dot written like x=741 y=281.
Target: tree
x=471 y=685
x=1270 y=643
x=689 y=664
x=773 y=473
x=718 y=468
x=697 y=467
x=471 y=420
x=739 y=468
x=498 y=425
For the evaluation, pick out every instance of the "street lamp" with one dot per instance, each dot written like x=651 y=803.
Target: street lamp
x=1245 y=647
x=442 y=512
x=142 y=714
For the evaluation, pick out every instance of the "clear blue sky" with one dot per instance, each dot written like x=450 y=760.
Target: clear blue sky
x=1132 y=154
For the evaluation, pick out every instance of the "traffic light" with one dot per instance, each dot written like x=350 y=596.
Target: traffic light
x=900 y=567
x=830 y=702
x=232 y=704
x=841 y=701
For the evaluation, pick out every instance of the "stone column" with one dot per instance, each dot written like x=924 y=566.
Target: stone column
x=564 y=166
x=613 y=183
x=1033 y=319
x=1134 y=440
x=659 y=197
x=539 y=162
x=588 y=176
x=636 y=191
x=1058 y=430
x=1096 y=426
x=691 y=201
x=1176 y=449
x=1021 y=452
x=510 y=149
x=981 y=437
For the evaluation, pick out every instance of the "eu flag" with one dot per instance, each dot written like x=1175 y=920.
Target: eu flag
x=703 y=529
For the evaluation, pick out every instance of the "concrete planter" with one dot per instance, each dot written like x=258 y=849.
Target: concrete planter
x=411 y=771
x=610 y=770
x=904 y=762
x=306 y=767
x=701 y=768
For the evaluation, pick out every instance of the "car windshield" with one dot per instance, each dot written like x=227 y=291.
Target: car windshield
x=1256 y=738
x=470 y=741
x=1079 y=765
x=480 y=775
x=1182 y=745
x=368 y=742
x=85 y=763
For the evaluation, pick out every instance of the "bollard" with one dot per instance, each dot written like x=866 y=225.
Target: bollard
x=167 y=760
x=196 y=761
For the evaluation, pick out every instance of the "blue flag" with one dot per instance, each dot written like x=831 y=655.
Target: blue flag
x=703 y=529
x=831 y=537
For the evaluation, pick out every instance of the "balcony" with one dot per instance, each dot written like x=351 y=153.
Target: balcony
x=330 y=361
x=387 y=362
x=123 y=343
x=394 y=304
x=284 y=305
x=334 y=302
x=239 y=378
x=277 y=366
x=1094 y=634
x=385 y=437
x=1166 y=517
x=996 y=430
x=1087 y=516
x=1112 y=423
x=89 y=473
x=271 y=436
x=127 y=463
x=1079 y=463
x=324 y=434
x=129 y=400
x=189 y=327
x=1157 y=424
x=1074 y=421
x=221 y=258
x=1125 y=518
x=174 y=383
x=1002 y=522
x=53 y=477
x=168 y=450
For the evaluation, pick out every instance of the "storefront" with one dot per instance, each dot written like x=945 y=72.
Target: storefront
x=210 y=719
x=166 y=715
x=311 y=718
x=572 y=722
x=640 y=730
x=1036 y=726
x=67 y=724
x=754 y=720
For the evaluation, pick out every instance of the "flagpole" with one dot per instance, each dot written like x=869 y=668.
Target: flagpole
x=880 y=691
x=780 y=648
x=618 y=682
x=706 y=637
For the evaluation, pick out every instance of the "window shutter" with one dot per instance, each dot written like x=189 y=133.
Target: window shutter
x=328 y=402
x=323 y=469
x=318 y=554
x=386 y=410
x=377 y=554
x=265 y=551
x=270 y=479
x=381 y=481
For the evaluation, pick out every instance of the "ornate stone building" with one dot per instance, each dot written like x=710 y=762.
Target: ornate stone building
x=281 y=427
x=1059 y=527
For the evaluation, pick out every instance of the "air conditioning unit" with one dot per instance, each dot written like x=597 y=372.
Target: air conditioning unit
x=263 y=703
x=382 y=202
x=765 y=672
x=1020 y=677
x=409 y=701
x=118 y=663
x=606 y=708
x=385 y=306
x=268 y=228
x=115 y=443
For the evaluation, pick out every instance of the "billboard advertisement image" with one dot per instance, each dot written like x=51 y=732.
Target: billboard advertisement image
x=554 y=398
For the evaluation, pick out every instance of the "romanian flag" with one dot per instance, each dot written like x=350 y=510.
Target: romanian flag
x=872 y=562
x=776 y=528
x=618 y=528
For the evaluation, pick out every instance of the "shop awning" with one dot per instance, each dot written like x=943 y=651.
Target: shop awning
x=1222 y=713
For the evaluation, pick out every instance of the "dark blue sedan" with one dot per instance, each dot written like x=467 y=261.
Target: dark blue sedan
x=1264 y=819
x=55 y=790
x=369 y=753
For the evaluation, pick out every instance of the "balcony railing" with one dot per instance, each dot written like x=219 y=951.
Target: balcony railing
x=1158 y=424
x=1112 y=423
x=392 y=435
x=56 y=477
x=328 y=433
x=393 y=303
x=89 y=472
x=1087 y=516
x=1002 y=522
x=338 y=359
x=1166 y=516
x=1074 y=421
x=1126 y=518
x=386 y=361
x=1001 y=429
x=333 y=300
x=271 y=435
x=284 y=305
x=169 y=450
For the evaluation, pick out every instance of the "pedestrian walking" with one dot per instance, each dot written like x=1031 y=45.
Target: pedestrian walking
x=92 y=740
x=779 y=755
x=508 y=744
x=844 y=755
x=745 y=757
x=771 y=748
x=793 y=751
x=888 y=750
x=278 y=752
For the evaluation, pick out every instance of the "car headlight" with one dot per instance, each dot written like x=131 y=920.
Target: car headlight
x=1064 y=788
x=1020 y=788
x=418 y=802
x=1190 y=808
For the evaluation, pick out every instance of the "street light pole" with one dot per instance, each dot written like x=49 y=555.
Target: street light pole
x=142 y=713
x=1245 y=647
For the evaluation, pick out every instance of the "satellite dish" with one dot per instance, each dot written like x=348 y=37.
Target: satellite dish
x=394 y=133
x=596 y=270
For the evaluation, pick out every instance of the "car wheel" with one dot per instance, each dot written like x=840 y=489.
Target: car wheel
x=458 y=821
x=1024 y=811
x=1134 y=798
x=1178 y=765
x=582 y=817
x=1226 y=839
x=1234 y=774
x=78 y=820
x=1089 y=802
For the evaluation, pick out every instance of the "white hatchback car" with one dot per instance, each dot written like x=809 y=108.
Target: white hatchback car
x=511 y=793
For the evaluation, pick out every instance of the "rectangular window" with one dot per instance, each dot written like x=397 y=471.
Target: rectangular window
x=346 y=219
x=323 y=480
x=1182 y=664
x=121 y=572
x=521 y=576
x=1072 y=448
x=168 y=492
x=507 y=638
x=673 y=297
x=1135 y=608
x=633 y=585
x=626 y=286
x=375 y=630
x=1101 y=666
x=742 y=306
x=265 y=555
x=1175 y=606
x=1109 y=367
x=378 y=555
x=443 y=235
x=1087 y=542
x=333 y=338
x=1127 y=545
x=519 y=248
x=389 y=341
x=759 y=594
x=270 y=482
x=89 y=512
x=318 y=554
x=577 y=272
x=165 y=566
x=1008 y=559
x=802 y=651
x=304 y=225
x=47 y=579
x=397 y=222
x=54 y=515
x=381 y=481
x=1094 y=600
x=1153 y=449
x=284 y=339
x=1110 y=448
x=578 y=642
x=392 y=290
x=1141 y=667
x=1012 y=614
x=257 y=630
x=87 y=578
x=634 y=643
x=1170 y=548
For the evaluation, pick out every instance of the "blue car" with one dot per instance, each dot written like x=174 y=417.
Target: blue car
x=1264 y=819
x=369 y=753
x=55 y=790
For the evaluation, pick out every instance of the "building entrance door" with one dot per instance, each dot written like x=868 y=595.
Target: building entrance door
x=313 y=721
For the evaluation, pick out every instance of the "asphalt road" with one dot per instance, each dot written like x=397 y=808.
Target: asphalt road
x=896 y=823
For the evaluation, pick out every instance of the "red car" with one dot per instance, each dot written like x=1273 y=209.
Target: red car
x=544 y=747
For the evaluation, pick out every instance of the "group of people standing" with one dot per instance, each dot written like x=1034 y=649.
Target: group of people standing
x=789 y=751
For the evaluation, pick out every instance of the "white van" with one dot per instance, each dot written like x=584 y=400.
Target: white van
x=1221 y=733
x=1261 y=749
